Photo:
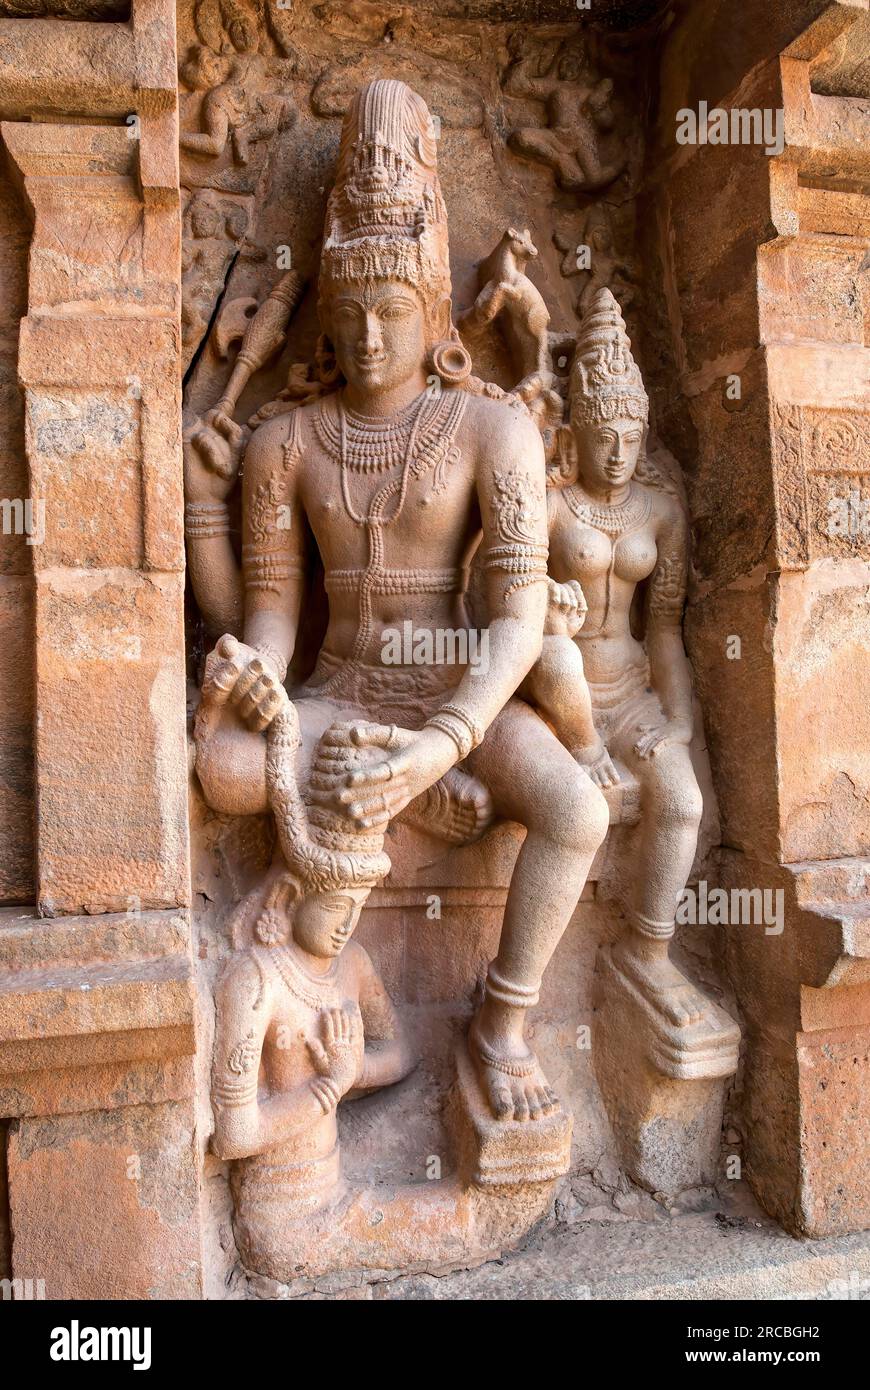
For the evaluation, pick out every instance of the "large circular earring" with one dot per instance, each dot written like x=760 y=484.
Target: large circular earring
x=328 y=370
x=452 y=361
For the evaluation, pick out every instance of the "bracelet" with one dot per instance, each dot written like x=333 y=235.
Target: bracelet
x=266 y=569
x=453 y=721
x=204 y=520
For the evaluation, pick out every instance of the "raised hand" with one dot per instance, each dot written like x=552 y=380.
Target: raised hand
x=339 y=1054
x=212 y=450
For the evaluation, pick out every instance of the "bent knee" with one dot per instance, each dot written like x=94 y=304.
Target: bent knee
x=578 y=816
x=677 y=802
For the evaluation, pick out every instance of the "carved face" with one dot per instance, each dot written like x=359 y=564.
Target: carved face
x=205 y=219
x=325 y=922
x=607 y=454
x=378 y=332
x=571 y=67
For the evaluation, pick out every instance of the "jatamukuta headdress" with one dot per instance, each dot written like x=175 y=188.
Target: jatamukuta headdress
x=322 y=851
x=605 y=379
x=386 y=217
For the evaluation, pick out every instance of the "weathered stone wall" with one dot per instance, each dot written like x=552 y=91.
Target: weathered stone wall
x=764 y=276
x=16 y=582
x=96 y=1017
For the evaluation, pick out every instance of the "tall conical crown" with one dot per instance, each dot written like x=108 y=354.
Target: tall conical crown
x=386 y=216
x=605 y=379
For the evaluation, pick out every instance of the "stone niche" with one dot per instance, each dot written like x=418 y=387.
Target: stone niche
x=163 y=201
x=255 y=187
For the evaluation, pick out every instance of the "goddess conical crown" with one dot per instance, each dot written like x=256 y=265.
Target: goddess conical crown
x=605 y=379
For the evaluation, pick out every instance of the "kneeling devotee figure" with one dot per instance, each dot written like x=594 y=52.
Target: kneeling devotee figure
x=399 y=474
x=302 y=1017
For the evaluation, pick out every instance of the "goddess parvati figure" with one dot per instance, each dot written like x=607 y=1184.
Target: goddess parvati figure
x=614 y=524
x=398 y=482
x=302 y=1017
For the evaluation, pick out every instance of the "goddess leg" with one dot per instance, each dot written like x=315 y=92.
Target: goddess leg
x=671 y=808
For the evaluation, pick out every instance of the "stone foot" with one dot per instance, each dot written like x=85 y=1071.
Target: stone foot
x=703 y=1042
x=495 y=1153
x=457 y=809
x=663 y=1084
x=660 y=982
x=514 y=1085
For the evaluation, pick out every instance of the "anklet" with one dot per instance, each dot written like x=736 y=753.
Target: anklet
x=510 y=1066
x=654 y=931
x=506 y=992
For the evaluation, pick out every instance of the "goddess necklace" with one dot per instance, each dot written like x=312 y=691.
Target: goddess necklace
x=614 y=518
x=309 y=989
x=614 y=521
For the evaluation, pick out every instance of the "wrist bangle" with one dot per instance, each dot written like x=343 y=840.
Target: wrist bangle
x=457 y=725
x=203 y=520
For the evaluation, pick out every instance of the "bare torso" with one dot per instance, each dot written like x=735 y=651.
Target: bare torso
x=609 y=567
x=427 y=531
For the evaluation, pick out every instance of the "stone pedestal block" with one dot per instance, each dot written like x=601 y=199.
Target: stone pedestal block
x=498 y=1153
x=663 y=1086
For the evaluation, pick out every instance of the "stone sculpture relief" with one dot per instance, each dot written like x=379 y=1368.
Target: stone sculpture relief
x=408 y=473
x=615 y=521
x=510 y=299
x=232 y=113
x=389 y=474
x=214 y=227
x=589 y=250
x=579 y=114
x=301 y=1001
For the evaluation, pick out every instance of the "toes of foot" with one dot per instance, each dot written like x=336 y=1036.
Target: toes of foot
x=503 y=1105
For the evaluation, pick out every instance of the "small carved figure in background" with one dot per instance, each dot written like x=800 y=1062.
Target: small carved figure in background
x=579 y=111
x=214 y=227
x=606 y=267
x=510 y=300
x=232 y=110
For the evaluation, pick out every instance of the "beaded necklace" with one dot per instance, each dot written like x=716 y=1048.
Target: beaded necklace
x=614 y=521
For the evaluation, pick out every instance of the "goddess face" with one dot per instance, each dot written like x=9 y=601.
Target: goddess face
x=324 y=922
x=378 y=332
x=608 y=453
